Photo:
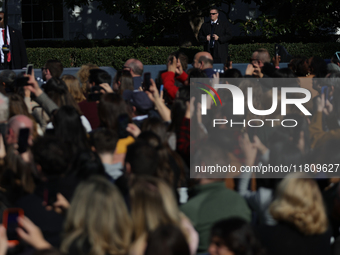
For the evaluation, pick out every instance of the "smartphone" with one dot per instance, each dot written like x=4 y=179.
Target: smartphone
x=50 y=196
x=123 y=121
x=251 y=132
x=10 y=222
x=94 y=97
x=324 y=90
x=23 y=140
x=227 y=64
x=147 y=81
x=29 y=69
x=276 y=49
x=176 y=55
x=21 y=81
x=338 y=55
x=96 y=88
x=161 y=88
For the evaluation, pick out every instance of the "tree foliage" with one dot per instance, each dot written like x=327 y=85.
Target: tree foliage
x=150 y=20
x=153 y=19
x=294 y=17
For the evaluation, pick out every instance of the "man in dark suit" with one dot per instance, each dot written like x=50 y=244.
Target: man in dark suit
x=215 y=35
x=17 y=57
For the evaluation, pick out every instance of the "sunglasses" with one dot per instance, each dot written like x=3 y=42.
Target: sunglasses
x=126 y=68
x=213 y=13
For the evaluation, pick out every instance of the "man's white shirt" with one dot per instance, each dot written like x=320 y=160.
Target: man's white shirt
x=2 y=42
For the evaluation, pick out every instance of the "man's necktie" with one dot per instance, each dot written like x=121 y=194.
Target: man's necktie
x=9 y=53
x=212 y=40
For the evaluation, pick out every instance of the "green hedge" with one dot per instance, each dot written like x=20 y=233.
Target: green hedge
x=242 y=53
x=155 y=55
x=171 y=41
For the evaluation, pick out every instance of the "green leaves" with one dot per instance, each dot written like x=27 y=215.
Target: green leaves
x=150 y=20
x=157 y=55
x=294 y=17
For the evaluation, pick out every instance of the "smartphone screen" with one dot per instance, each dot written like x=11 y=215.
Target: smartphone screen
x=23 y=140
x=161 y=89
x=10 y=221
x=21 y=81
x=96 y=88
x=276 y=49
x=29 y=69
x=251 y=132
x=123 y=121
x=147 y=82
x=94 y=97
x=50 y=195
x=324 y=90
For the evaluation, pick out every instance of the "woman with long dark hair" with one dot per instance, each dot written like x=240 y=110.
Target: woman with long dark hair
x=180 y=123
x=69 y=129
x=173 y=159
x=57 y=90
x=113 y=114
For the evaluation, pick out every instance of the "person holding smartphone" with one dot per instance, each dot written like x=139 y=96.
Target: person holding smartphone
x=99 y=81
x=28 y=232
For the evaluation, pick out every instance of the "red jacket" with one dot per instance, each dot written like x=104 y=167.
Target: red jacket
x=169 y=82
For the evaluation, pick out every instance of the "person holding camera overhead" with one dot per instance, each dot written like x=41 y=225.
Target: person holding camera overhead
x=215 y=35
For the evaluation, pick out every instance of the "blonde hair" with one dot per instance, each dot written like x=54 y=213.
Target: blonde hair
x=97 y=216
x=299 y=202
x=73 y=87
x=152 y=204
x=4 y=105
x=84 y=73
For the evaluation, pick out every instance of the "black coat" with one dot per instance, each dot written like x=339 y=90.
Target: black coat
x=283 y=239
x=18 y=49
x=220 y=51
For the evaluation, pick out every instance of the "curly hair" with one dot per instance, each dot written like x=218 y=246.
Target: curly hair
x=299 y=202
x=84 y=73
x=74 y=88
x=237 y=235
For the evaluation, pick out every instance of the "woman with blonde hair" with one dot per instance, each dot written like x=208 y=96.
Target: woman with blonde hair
x=97 y=221
x=302 y=222
x=73 y=86
x=153 y=204
x=83 y=75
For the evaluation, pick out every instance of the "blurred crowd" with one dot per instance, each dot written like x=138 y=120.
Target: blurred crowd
x=100 y=165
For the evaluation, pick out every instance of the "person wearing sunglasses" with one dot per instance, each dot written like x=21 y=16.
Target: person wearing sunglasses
x=214 y=35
